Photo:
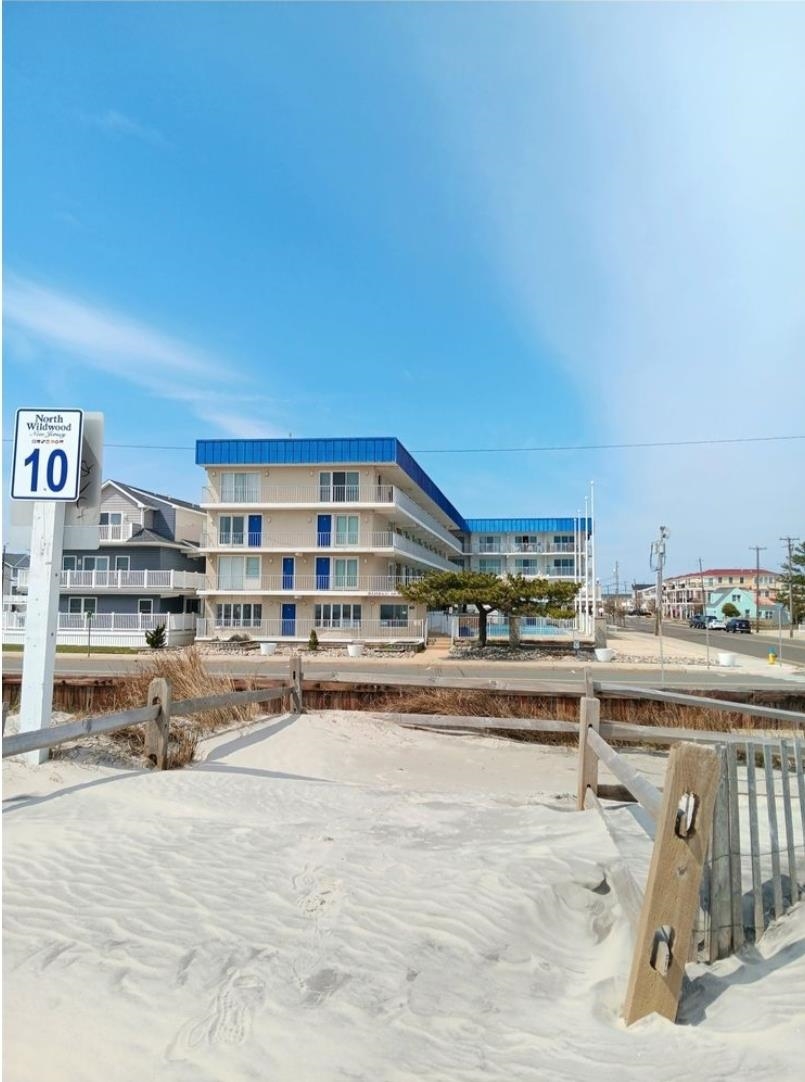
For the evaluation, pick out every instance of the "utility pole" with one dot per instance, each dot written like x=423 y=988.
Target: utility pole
x=658 y=555
x=757 y=549
x=704 y=615
x=790 y=542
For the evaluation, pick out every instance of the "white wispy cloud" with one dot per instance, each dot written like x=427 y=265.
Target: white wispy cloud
x=40 y=320
x=114 y=122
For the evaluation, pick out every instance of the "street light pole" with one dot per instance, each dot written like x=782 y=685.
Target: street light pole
x=758 y=549
x=658 y=553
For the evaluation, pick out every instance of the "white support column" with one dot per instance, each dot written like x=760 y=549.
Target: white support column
x=41 y=621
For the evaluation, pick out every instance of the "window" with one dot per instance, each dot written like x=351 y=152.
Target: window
x=394 y=616
x=231 y=530
x=489 y=564
x=489 y=544
x=234 y=614
x=94 y=563
x=337 y=616
x=527 y=567
x=339 y=486
x=82 y=605
x=240 y=487
x=345 y=574
x=122 y=563
x=68 y=563
x=252 y=568
x=145 y=606
x=111 y=518
x=346 y=530
x=230 y=572
x=563 y=567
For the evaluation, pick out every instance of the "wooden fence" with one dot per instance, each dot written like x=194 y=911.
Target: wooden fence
x=712 y=883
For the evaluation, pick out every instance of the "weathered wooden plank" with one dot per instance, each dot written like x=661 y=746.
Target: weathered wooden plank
x=669 y=734
x=229 y=698
x=788 y=819
x=736 y=877
x=456 y=683
x=452 y=721
x=799 y=766
x=672 y=893
x=589 y=720
x=61 y=734
x=774 y=836
x=649 y=796
x=623 y=691
x=720 y=879
x=628 y=893
x=754 y=842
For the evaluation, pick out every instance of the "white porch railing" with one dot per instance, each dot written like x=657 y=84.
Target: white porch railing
x=294 y=630
x=107 y=628
x=127 y=581
x=119 y=531
x=261 y=494
x=505 y=547
x=298 y=584
x=312 y=541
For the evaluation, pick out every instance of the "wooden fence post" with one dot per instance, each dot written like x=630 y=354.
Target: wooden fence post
x=759 y=920
x=672 y=892
x=788 y=819
x=296 y=683
x=774 y=835
x=720 y=874
x=589 y=716
x=157 y=733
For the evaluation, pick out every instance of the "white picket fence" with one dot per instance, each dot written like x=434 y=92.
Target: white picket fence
x=107 y=628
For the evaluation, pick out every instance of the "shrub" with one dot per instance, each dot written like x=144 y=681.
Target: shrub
x=313 y=640
x=157 y=638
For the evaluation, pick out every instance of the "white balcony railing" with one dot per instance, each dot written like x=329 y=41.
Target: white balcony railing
x=326 y=631
x=262 y=494
x=539 y=548
x=126 y=581
x=119 y=531
x=109 y=621
x=299 y=584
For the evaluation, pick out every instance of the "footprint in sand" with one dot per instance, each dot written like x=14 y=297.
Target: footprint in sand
x=228 y=1020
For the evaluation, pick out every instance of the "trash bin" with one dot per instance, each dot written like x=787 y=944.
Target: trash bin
x=772 y=658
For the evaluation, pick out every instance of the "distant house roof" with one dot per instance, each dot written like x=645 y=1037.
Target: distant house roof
x=722 y=571
x=145 y=498
x=16 y=560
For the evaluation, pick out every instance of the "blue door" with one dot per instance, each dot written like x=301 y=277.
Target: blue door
x=289 y=619
x=322 y=572
x=287 y=572
x=324 y=530
x=255 y=530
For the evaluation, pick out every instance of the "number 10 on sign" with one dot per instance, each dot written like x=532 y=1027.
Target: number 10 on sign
x=47 y=455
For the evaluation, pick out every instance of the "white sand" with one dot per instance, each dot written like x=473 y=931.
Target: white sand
x=336 y=898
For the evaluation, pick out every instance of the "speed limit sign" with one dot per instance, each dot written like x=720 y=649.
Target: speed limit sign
x=47 y=455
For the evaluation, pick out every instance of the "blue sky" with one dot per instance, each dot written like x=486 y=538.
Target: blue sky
x=464 y=225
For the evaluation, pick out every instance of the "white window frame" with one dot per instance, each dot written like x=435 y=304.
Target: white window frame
x=348 y=533
x=145 y=601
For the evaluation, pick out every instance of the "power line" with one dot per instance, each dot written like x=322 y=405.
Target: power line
x=508 y=450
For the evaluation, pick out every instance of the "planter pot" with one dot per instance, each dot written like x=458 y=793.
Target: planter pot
x=267 y=647
x=726 y=659
x=603 y=653
x=355 y=649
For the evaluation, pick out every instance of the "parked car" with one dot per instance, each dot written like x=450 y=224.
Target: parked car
x=739 y=624
x=697 y=621
x=714 y=623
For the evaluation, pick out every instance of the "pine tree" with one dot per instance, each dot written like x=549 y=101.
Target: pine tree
x=792 y=582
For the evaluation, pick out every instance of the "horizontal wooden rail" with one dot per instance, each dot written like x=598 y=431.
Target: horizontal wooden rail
x=623 y=691
x=649 y=796
x=229 y=698
x=53 y=735
x=448 y=683
x=669 y=734
x=453 y=721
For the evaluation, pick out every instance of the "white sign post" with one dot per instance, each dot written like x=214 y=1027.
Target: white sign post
x=47 y=470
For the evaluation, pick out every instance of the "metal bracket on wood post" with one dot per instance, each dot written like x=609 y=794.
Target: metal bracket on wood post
x=672 y=892
x=157 y=733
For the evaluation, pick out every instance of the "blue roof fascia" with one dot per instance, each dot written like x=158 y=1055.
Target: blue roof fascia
x=290 y=452
x=527 y=525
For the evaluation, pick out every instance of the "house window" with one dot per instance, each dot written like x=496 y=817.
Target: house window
x=234 y=614
x=339 y=486
x=68 y=563
x=240 y=487
x=529 y=568
x=346 y=530
x=489 y=544
x=345 y=574
x=394 y=616
x=94 y=563
x=145 y=606
x=230 y=572
x=337 y=616
x=82 y=605
x=122 y=563
x=231 y=530
x=563 y=567
x=252 y=568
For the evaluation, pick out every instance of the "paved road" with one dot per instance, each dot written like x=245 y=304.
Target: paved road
x=751 y=645
x=117 y=664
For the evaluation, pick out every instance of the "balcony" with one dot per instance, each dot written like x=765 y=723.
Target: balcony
x=383 y=543
x=385 y=497
x=277 y=630
x=506 y=546
x=120 y=531
x=107 y=628
x=307 y=584
x=162 y=582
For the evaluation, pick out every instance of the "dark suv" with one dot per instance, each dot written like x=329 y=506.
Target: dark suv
x=697 y=621
x=739 y=623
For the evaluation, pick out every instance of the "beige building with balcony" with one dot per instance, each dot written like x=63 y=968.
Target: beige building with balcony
x=319 y=534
